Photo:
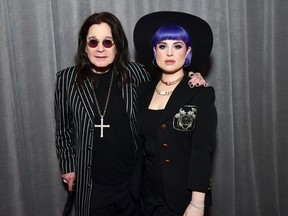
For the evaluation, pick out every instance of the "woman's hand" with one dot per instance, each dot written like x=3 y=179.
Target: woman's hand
x=196 y=79
x=193 y=211
x=196 y=206
x=69 y=179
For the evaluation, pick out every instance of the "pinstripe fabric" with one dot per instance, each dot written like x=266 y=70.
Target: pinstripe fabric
x=74 y=127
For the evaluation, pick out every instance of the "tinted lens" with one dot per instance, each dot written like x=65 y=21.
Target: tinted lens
x=93 y=43
x=106 y=43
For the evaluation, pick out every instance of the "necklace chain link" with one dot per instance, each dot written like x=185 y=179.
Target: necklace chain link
x=166 y=93
x=162 y=92
x=172 y=82
x=107 y=99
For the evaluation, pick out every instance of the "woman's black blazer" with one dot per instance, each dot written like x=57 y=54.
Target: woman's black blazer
x=186 y=138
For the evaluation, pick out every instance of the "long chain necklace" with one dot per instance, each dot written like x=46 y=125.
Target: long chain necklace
x=102 y=115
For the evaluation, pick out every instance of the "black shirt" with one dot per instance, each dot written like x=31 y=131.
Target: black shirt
x=114 y=153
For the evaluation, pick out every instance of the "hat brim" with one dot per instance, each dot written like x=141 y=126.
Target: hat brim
x=199 y=30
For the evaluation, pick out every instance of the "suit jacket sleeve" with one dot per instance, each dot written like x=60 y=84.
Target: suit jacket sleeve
x=204 y=139
x=64 y=122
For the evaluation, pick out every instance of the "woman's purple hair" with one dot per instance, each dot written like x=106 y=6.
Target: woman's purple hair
x=173 y=32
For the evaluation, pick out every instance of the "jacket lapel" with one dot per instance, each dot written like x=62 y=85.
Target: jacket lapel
x=180 y=96
x=129 y=95
x=86 y=96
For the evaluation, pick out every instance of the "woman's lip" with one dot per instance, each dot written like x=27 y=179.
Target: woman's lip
x=169 y=61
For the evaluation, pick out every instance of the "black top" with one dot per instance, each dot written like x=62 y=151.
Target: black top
x=152 y=174
x=113 y=154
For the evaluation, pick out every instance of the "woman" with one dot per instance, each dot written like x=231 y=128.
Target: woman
x=95 y=110
x=177 y=124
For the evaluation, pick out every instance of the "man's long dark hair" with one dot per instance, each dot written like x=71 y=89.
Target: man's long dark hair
x=83 y=65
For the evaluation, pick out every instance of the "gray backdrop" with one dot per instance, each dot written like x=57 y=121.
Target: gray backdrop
x=248 y=71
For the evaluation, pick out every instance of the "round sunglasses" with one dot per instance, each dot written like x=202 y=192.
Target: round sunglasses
x=107 y=43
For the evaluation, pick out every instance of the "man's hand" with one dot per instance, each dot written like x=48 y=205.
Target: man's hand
x=196 y=79
x=69 y=179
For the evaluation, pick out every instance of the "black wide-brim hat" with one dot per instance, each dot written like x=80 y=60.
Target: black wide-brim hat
x=199 y=30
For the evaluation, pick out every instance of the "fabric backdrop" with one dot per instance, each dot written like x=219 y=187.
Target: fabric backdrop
x=248 y=71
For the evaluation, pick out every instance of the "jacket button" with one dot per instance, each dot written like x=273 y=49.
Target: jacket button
x=167 y=161
x=165 y=145
x=163 y=126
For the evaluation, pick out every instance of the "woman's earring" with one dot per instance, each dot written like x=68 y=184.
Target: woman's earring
x=187 y=62
x=154 y=63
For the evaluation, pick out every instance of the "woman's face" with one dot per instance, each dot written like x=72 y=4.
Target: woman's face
x=100 y=47
x=170 y=55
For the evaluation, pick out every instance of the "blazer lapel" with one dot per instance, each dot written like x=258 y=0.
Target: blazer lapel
x=87 y=98
x=181 y=94
x=129 y=95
